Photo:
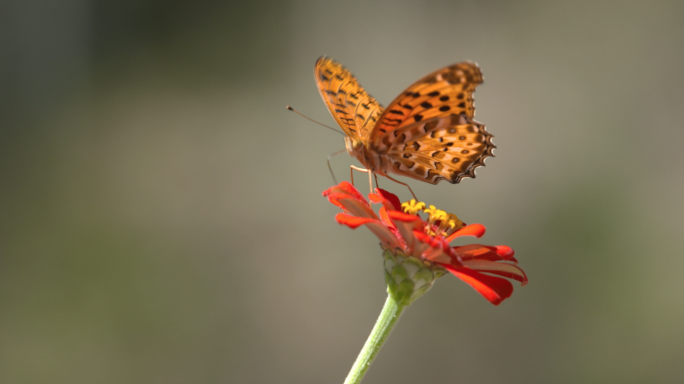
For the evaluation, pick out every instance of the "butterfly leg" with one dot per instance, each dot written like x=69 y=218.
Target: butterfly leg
x=407 y=186
x=368 y=171
x=330 y=168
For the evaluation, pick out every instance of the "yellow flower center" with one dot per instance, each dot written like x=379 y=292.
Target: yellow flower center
x=445 y=223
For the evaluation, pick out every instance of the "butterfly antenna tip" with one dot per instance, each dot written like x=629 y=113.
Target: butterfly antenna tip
x=310 y=119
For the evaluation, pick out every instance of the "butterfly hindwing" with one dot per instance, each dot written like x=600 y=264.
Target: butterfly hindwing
x=447 y=91
x=352 y=107
x=448 y=147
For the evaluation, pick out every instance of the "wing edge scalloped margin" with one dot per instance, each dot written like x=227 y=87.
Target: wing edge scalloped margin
x=480 y=162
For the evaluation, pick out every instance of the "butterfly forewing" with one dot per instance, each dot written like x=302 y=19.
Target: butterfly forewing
x=352 y=107
x=444 y=92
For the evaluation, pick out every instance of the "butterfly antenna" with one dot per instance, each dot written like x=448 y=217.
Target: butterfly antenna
x=310 y=119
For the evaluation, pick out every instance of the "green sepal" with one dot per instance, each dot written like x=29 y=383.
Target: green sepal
x=408 y=278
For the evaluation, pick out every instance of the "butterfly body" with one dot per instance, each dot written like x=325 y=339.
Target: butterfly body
x=427 y=133
x=370 y=158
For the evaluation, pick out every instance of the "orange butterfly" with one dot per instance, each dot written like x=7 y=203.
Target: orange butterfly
x=427 y=133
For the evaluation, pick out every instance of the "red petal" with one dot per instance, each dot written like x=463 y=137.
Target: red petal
x=380 y=230
x=334 y=197
x=422 y=236
x=344 y=188
x=504 y=269
x=476 y=230
x=494 y=289
x=352 y=222
x=341 y=187
x=352 y=205
x=476 y=251
x=522 y=279
x=391 y=197
x=433 y=249
x=405 y=225
x=484 y=252
x=382 y=212
x=384 y=217
x=401 y=216
x=350 y=189
x=505 y=252
x=387 y=204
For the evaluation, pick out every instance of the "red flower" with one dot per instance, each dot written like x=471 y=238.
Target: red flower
x=401 y=231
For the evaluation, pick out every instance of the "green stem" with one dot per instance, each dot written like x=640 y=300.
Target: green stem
x=388 y=318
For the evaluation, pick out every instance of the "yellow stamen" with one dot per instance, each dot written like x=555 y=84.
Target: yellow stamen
x=454 y=224
x=430 y=211
x=412 y=207
x=448 y=222
x=435 y=215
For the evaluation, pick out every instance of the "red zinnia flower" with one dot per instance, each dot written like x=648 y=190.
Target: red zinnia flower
x=417 y=251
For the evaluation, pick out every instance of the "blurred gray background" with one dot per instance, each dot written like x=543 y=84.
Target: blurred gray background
x=161 y=218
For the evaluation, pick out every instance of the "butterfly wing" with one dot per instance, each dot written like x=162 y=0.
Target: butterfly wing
x=352 y=107
x=448 y=147
x=429 y=131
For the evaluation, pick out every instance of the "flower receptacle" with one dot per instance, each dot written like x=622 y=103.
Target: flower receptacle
x=409 y=278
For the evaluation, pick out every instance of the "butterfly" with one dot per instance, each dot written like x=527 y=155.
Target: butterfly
x=427 y=133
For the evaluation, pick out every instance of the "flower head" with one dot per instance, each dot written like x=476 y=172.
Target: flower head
x=418 y=251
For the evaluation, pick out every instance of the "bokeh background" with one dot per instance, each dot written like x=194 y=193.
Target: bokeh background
x=161 y=218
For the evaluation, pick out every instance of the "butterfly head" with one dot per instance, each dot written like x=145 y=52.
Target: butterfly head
x=354 y=146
